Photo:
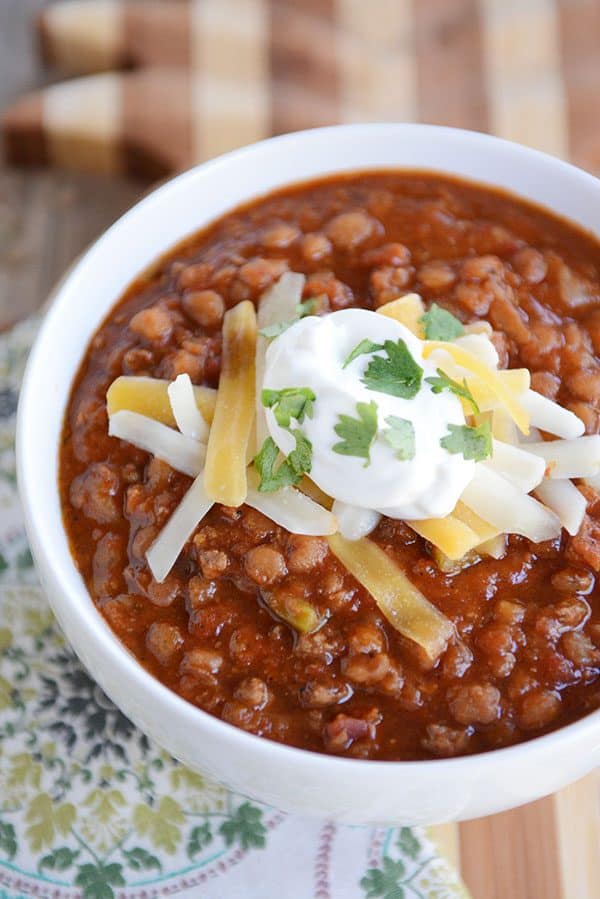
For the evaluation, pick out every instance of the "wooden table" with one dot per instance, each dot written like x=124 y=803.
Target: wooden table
x=525 y=69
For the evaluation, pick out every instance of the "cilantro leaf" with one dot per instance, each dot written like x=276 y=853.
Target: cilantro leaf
x=443 y=382
x=401 y=437
x=291 y=402
x=357 y=433
x=365 y=346
x=439 y=324
x=473 y=443
x=290 y=471
x=398 y=375
x=302 y=309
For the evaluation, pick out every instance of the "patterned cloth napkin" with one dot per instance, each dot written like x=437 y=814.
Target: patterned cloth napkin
x=90 y=808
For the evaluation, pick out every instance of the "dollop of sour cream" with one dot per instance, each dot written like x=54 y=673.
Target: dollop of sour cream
x=311 y=353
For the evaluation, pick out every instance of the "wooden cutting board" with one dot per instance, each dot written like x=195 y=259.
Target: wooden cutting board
x=215 y=74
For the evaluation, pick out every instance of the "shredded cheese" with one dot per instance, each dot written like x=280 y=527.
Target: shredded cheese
x=180 y=452
x=578 y=458
x=451 y=536
x=278 y=304
x=149 y=396
x=226 y=456
x=353 y=522
x=185 y=410
x=566 y=501
x=522 y=468
x=407 y=310
x=404 y=606
x=551 y=417
x=497 y=501
x=291 y=509
x=496 y=382
x=165 y=550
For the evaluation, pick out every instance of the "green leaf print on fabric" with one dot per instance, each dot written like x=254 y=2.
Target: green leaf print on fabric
x=385 y=882
x=245 y=827
x=47 y=819
x=8 y=840
x=141 y=860
x=59 y=860
x=199 y=839
x=160 y=824
x=407 y=843
x=98 y=880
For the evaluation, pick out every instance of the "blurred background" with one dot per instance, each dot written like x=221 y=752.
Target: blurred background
x=102 y=98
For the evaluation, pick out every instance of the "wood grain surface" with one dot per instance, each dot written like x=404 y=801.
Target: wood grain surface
x=525 y=69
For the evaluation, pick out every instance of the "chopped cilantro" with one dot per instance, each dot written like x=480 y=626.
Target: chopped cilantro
x=398 y=375
x=401 y=437
x=290 y=471
x=473 y=443
x=357 y=433
x=443 y=382
x=291 y=402
x=439 y=324
x=365 y=346
x=302 y=309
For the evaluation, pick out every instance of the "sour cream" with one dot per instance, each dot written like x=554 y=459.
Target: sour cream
x=311 y=353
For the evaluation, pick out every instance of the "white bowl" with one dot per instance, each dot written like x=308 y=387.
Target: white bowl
x=352 y=791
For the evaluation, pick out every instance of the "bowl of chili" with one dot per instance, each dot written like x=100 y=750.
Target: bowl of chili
x=375 y=666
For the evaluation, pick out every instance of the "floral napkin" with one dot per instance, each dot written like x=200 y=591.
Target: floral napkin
x=90 y=808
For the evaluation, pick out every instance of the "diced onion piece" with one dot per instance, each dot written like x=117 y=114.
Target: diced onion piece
x=483 y=529
x=404 y=606
x=494 y=547
x=190 y=420
x=551 y=417
x=451 y=536
x=480 y=346
x=291 y=509
x=165 y=550
x=578 y=458
x=149 y=396
x=295 y=610
x=180 y=452
x=565 y=499
x=507 y=508
x=495 y=381
x=503 y=426
x=225 y=473
x=407 y=310
x=354 y=522
x=523 y=469
x=277 y=304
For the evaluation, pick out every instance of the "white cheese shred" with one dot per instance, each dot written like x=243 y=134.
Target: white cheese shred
x=501 y=504
x=577 y=458
x=523 y=469
x=354 y=522
x=180 y=452
x=165 y=550
x=185 y=411
x=291 y=509
x=551 y=417
x=566 y=501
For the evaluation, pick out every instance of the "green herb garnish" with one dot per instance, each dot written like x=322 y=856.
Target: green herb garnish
x=398 y=375
x=365 y=346
x=401 y=437
x=473 y=443
x=290 y=471
x=443 y=382
x=291 y=402
x=439 y=324
x=357 y=433
x=307 y=307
